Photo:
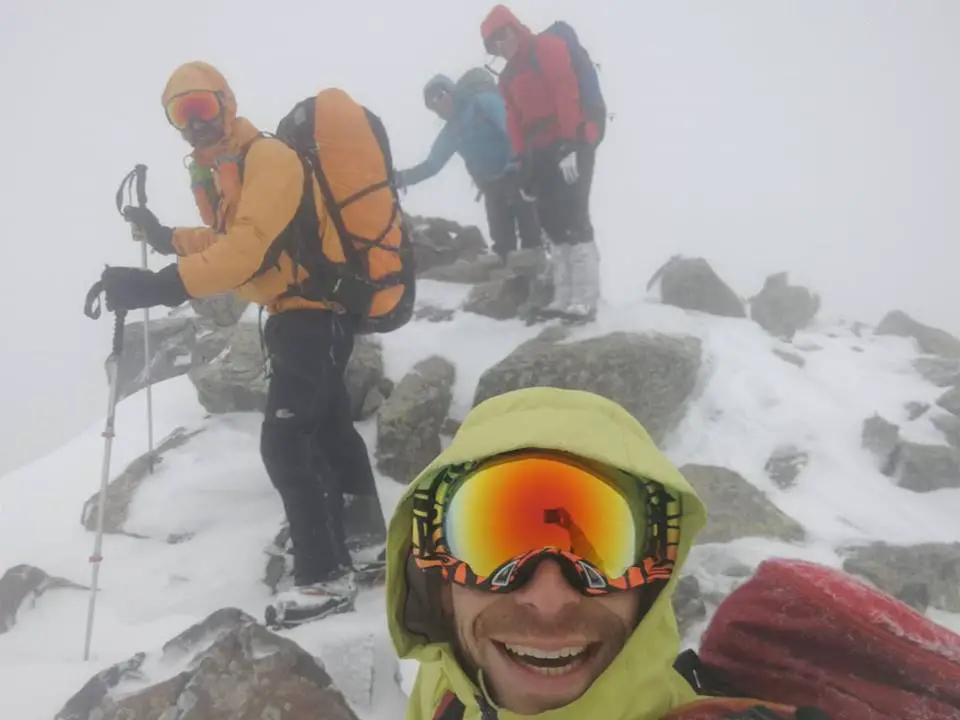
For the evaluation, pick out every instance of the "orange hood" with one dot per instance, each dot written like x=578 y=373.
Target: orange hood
x=199 y=75
x=500 y=17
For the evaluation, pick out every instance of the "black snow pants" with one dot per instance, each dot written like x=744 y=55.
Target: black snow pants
x=508 y=213
x=310 y=447
x=564 y=210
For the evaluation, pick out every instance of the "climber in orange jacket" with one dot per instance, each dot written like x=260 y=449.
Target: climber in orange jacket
x=309 y=446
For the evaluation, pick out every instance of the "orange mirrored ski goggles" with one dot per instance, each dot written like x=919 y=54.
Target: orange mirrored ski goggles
x=195 y=105
x=487 y=525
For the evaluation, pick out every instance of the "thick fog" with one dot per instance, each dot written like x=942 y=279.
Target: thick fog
x=817 y=137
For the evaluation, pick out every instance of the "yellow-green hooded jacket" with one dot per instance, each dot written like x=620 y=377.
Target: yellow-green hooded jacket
x=640 y=684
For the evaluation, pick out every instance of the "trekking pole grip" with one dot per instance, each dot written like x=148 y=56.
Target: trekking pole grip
x=119 y=322
x=141 y=173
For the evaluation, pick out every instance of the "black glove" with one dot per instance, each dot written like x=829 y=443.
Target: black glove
x=128 y=288
x=159 y=237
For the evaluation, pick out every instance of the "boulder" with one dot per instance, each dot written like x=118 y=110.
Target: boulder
x=235 y=380
x=688 y=603
x=790 y=357
x=691 y=284
x=121 y=489
x=916 y=409
x=363 y=376
x=222 y=311
x=949 y=425
x=433 y=313
x=23 y=582
x=465 y=271
x=881 y=438
x=931 y=340
x=926 y=574
x=410 y=420
x=785 y=464
x=950 y=401
x=228 y=667
x=736 y=508
x=438 y=242
x=781 y=309
x=172 y=341
x=942 y=372
x=926 y=468
x=519 y=290
x=652 y=376
x=499 y=299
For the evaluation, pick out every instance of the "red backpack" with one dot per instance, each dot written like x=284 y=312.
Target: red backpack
x=802 y=634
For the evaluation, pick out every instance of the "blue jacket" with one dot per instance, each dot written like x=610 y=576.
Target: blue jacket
x=478 y=133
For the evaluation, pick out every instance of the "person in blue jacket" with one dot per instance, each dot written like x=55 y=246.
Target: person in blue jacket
x=476 y=129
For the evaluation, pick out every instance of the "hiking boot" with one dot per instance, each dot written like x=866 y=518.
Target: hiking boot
x=584 y=280
x=319 y=594
x=560 y=272
x=528 y=262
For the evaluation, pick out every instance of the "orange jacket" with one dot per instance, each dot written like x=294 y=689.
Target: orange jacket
x=233 y=254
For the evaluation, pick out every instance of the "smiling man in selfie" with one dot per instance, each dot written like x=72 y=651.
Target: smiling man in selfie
x=531 y=568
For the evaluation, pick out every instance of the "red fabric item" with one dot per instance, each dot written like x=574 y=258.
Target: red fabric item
x=723 y=708
x=805 y=634
x=543 y=100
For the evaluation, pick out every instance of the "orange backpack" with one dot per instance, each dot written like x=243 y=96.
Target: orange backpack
x=366 y=266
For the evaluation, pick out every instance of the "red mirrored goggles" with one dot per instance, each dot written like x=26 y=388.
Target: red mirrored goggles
x=488 y=525
x=194 y=106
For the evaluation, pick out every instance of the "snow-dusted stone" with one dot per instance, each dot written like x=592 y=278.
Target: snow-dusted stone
x=926 y=468
x=942 y=372
x=785 y=465
x=900 y=571
x=23 y=582
x=781 y=309
x=691 y=284
x=438 y=242
x=227 y=667
x=950 y=401
x=121 y=490
x=652 y=376
x=736 y=508
x=410 y=420
x=931 y=340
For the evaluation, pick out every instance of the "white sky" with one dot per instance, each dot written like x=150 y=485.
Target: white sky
x=817 y=137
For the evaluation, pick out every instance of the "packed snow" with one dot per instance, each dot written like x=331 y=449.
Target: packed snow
x=215 y=490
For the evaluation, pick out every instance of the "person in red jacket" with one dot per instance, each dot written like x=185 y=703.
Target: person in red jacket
x=556 y=139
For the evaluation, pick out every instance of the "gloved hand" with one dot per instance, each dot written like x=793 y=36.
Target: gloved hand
x=568 y=167
x=158 y=236
x=128 y=288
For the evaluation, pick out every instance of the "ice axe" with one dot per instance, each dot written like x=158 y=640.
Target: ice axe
x=92 y=309
x=137 y=178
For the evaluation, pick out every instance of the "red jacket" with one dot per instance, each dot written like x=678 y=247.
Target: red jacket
x=543 y=100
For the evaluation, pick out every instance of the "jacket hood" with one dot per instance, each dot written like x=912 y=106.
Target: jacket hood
x=198 y=75
x=501 y=16
x=640 y=684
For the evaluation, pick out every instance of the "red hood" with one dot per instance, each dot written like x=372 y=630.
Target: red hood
x=500 y=17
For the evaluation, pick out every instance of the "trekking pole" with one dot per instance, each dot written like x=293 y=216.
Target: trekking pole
x=138 y=176
x=92 y=310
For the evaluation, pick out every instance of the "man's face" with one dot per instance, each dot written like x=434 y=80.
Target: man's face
x=541 y=646
x=203 y=134
x=441 y=102
x=504 y=42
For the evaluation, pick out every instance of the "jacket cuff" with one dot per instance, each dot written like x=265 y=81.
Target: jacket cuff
x=170 y=288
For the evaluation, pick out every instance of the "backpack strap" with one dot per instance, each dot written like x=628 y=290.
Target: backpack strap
x=450 y=707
